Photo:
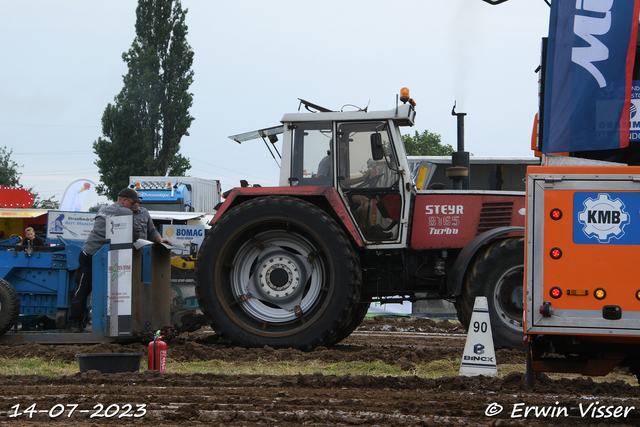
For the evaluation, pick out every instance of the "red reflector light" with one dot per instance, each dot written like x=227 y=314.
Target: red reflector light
x=555 y=214
x=555 y=253
x=555 y=292
x=546 y=309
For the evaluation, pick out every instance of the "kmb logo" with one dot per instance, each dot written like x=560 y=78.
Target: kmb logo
x=603 y=218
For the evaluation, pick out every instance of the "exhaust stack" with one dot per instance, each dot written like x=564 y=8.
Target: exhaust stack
x=459 y=170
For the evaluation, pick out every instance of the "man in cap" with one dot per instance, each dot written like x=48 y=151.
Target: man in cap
x=143 y=227
x=127 y=198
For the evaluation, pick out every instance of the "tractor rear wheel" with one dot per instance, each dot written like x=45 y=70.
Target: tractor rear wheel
x=9 y=306
x=498 y=274
x=278 y=271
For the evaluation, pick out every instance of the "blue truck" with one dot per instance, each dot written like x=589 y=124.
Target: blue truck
x=177 y=194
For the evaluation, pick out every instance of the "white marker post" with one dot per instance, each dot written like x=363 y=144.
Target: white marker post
x=479 y=356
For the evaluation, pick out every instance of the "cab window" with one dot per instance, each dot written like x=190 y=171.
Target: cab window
x=312 y=161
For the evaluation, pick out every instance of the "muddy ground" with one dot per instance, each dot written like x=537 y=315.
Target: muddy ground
x=150 y=398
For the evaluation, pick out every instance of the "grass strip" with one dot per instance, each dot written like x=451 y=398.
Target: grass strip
x=431 y=370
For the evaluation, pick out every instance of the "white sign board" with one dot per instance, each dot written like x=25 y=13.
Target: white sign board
x=70 y=225
x=119 y=229
x=187 y=238
x=119 y=292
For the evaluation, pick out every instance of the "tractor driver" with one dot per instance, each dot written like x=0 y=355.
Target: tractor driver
x=361 y=205
x=325 y=168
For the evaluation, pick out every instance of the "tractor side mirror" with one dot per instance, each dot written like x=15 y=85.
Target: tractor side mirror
x=377 y=152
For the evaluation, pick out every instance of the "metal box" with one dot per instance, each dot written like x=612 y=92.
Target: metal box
x=583 y=250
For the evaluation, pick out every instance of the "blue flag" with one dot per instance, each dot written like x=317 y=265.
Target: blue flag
x=588 y=75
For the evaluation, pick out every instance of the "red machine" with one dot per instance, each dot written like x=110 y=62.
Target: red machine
x=298 y=265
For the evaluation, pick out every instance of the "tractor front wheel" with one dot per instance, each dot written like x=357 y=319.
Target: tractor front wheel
x=278 y=271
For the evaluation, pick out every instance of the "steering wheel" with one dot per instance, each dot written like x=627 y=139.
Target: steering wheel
x=372 y=180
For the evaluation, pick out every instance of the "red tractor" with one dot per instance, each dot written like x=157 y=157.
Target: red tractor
x=298 y=265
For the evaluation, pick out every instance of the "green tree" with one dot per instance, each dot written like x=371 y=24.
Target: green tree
x=143 y=128
x=49 y=203
x=426 y=144
x=9 y=176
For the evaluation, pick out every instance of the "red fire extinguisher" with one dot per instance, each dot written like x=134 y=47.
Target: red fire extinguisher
x=158 y=354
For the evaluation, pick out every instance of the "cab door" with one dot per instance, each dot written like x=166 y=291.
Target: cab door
x=369 y=179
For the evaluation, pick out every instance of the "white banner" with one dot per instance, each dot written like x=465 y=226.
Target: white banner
x=76 y=194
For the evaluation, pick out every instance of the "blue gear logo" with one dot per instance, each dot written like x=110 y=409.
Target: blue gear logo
x=603 y=218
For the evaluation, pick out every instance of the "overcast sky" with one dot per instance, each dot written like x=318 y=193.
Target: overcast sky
x=62 y=64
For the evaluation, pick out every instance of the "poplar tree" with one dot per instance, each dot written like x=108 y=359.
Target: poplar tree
x=143 y=128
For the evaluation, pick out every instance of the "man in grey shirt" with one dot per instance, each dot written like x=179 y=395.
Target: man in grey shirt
x=143 y=227
x=127 y=198
x=325 y=167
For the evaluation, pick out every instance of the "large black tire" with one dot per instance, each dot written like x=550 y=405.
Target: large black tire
x=356 y=319
x=498 y=274
x=9 y=306
x=278 y=271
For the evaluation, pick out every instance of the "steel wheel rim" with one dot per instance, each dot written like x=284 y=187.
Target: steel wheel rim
x=508 y=297
x=261 y=257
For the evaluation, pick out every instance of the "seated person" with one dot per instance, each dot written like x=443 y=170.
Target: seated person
x=325 y=167
x=31 y=239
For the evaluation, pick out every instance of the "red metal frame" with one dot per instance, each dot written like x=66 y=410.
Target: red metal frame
x=329 y=193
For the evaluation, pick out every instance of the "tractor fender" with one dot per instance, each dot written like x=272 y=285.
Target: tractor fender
x=454 y=283
x=241 y=194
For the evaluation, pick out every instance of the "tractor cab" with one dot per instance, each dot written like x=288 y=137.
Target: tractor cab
x=359 y=153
